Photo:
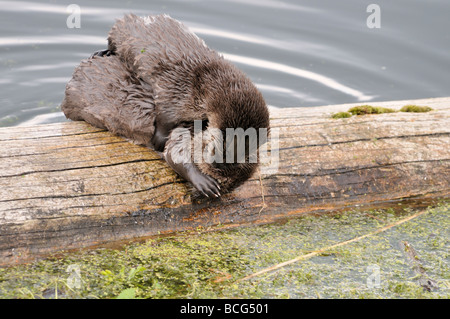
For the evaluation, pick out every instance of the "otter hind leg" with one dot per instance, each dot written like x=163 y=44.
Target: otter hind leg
x=101 y=53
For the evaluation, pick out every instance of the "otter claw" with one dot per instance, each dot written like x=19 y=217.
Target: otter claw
x=206 y=185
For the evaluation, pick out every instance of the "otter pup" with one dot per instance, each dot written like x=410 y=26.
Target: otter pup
x=152 y=84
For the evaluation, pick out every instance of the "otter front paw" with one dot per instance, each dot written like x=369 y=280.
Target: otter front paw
x=205 y=184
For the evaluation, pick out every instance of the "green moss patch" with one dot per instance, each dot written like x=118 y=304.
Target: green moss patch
x=341 y=115
x=415 y=108
x=368 y=109
x=211 y=264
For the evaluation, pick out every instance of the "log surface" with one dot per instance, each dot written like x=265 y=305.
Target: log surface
x=70 y=185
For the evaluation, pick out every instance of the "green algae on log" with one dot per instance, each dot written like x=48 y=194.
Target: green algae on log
x=369 y=109
x=415 y=108
x=69 y=185
x=341 y=115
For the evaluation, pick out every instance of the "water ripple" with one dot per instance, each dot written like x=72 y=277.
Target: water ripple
x=286 y=91
x=43 y=118
x=278 y=67
x=275 y=5
x=24 y=6
x=248 y=38
x=55 y=39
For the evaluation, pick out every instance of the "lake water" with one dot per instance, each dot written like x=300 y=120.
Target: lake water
x=299 y=53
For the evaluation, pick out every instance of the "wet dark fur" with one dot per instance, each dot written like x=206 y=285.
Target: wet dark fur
x=158 y=76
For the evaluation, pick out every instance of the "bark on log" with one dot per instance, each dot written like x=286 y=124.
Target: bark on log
x=69 y=185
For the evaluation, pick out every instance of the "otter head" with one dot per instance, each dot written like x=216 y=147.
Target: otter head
x=238 y=124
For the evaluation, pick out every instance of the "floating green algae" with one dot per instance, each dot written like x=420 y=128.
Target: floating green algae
x=211 y=264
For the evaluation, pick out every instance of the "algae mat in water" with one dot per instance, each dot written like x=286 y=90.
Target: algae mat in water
x=408 y=258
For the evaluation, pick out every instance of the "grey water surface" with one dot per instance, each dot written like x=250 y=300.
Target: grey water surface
x=299 y=53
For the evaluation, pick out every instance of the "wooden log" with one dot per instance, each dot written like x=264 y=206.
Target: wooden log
x=69 y=185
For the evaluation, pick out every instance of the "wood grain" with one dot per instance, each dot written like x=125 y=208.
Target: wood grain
x=69 y=185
